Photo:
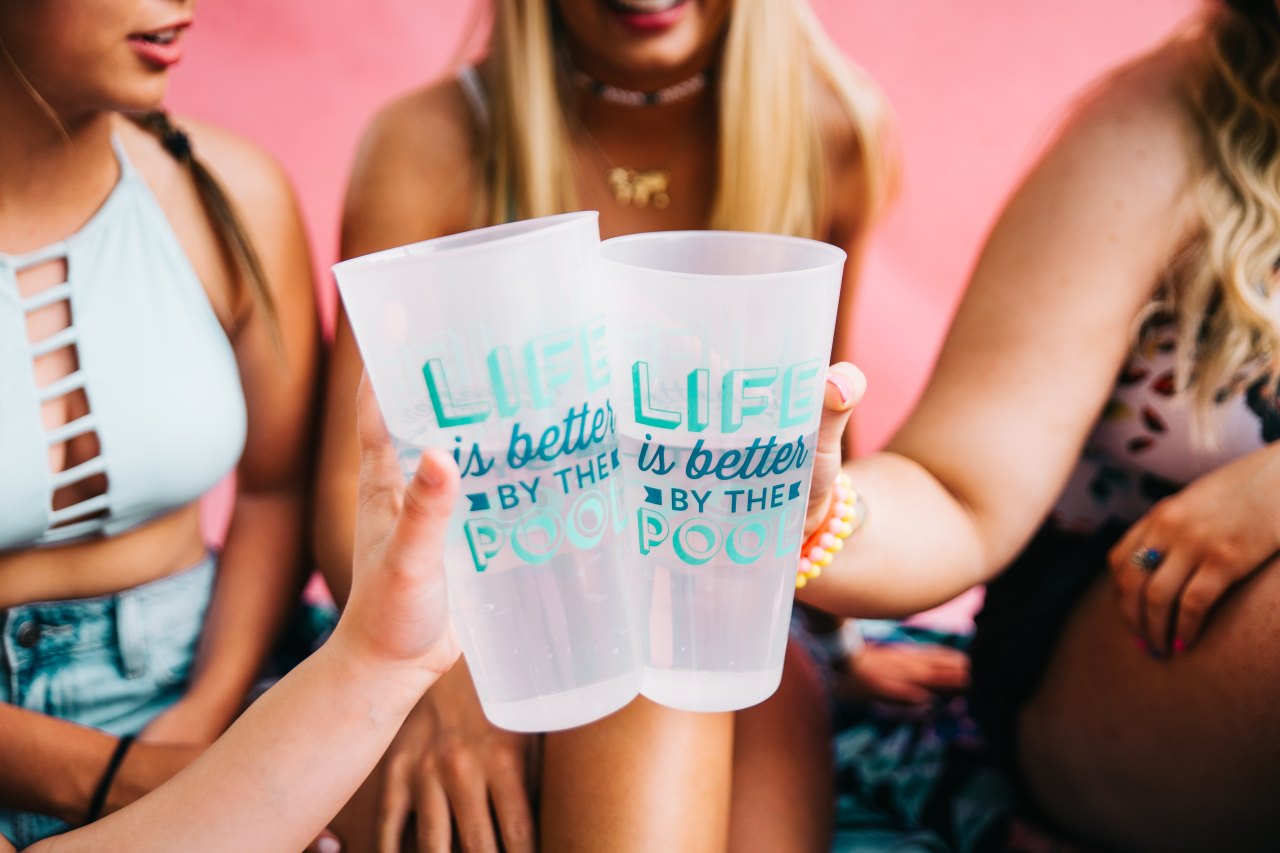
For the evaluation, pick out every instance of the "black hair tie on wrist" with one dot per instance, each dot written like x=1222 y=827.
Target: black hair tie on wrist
x=99 y=799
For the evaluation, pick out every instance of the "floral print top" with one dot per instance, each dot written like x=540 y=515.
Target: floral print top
x=1144 y=448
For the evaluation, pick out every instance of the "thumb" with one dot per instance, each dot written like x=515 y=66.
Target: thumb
x=418 y=537
x=844 y=388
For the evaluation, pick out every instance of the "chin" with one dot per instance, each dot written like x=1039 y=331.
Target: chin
x=649 y=60
x=637 y=39
x=140 y=98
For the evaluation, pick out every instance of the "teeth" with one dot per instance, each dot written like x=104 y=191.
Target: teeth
x=647 y=6
x=162 y=37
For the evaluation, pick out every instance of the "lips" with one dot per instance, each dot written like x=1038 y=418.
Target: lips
x=648 y=15
x=160 y=47
x=644 y=7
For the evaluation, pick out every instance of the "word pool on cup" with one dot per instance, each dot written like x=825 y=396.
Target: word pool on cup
x=492 y=343
x=720 y=348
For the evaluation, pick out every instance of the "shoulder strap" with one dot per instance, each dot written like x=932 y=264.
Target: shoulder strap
x=473 y=89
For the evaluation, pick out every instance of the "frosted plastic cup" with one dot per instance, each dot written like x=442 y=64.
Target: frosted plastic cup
x=492 y=344
x=720 y=347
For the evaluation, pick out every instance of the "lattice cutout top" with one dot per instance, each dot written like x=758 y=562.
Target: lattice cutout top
x=120 y=397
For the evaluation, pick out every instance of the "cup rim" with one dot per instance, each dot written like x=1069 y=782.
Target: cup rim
x=837 y=256
x=472 y=240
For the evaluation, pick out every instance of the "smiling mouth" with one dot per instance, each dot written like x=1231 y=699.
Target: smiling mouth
x=161 y=37
x=644 y=7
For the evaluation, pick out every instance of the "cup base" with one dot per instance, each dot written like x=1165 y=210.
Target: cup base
x=564 y=710
x=696 y=690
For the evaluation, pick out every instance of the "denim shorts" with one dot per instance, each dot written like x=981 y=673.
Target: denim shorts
x=113 y=662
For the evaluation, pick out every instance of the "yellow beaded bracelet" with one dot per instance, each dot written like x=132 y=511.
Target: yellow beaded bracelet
x=847 y=514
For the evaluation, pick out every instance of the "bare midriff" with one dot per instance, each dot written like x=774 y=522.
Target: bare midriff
x=103 y=566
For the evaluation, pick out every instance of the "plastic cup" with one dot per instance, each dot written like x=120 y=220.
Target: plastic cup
x=720 y=348
x=492 y=344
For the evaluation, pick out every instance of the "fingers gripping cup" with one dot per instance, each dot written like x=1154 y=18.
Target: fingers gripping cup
x=492 y=344
x=720 y=343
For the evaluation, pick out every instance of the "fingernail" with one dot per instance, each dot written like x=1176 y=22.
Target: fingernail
x=427 y=471
x=328 y=845
x=1141 y=643
x=1178 y=645
x=842 y=385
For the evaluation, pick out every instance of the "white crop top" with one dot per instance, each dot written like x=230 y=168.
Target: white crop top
x=159 y=375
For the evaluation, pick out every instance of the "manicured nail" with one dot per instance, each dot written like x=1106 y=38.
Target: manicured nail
x=1141 y=643
x=842 y=385
x=328 y=845
x=1178 y=645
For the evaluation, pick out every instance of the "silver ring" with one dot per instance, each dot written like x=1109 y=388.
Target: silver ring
x=1147 y=559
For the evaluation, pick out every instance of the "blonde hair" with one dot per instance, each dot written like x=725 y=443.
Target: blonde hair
x=1224 y=288
x=771 y=171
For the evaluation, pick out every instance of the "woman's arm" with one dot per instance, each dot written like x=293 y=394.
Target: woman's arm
x=72 y=759
x=294 y=757
x=260 y=567
x=412 y=180
x=1030 y=359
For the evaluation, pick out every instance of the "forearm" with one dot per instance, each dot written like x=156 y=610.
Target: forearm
x=334 y=533
x=920 y=545
x=47 y=765
x=258 y=581
x=280 y=772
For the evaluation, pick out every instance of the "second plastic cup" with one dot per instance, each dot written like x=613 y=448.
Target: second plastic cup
x=492 y=344
x=721 y=342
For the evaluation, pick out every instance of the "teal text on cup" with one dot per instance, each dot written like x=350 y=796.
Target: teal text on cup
x=744 y=392
x=545 y=363
x=730 y=515
x=565 y=489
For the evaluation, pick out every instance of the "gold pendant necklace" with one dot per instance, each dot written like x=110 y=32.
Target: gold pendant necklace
x=639 y=189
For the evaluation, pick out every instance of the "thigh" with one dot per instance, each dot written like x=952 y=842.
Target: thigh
x=783 y=798
x=1181 y=754
x=645 y=778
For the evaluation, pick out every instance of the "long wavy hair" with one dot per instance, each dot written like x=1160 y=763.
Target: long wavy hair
x=1224 y=293
x=774 y=58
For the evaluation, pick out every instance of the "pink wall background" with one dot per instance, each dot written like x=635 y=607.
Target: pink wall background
x=977 y=84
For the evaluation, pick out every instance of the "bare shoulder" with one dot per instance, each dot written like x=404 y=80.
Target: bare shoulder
x=260 y=194
x=426 y=130
x=253 y=179
x=1135 y=127
x=415 y=172
x=841 y=135
x=855 y=149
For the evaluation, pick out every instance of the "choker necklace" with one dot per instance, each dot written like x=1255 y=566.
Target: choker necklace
x=674 y=93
